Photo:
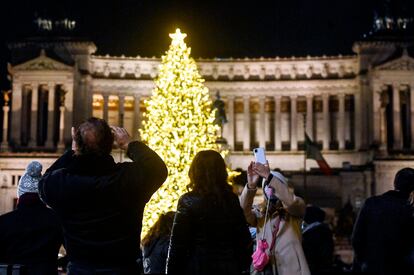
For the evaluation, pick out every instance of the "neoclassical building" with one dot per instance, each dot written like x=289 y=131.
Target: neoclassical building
x=358 y=108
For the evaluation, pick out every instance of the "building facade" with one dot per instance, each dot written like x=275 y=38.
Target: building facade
x=358 y=108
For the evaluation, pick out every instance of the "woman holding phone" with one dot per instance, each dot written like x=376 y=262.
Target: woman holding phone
x=278 y=219
x=210 y=233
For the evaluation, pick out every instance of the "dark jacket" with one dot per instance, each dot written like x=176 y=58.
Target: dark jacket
x=31 y=235
x=383 y=234
x=101 y=203
x=155 y=256
x=318 y=245
x=208 y=237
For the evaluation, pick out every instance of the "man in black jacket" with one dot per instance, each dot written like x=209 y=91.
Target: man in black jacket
x=101 y=202
x=317 y=241
x=383 y=233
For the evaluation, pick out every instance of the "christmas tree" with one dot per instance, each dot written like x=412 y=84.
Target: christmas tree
x=179 y=123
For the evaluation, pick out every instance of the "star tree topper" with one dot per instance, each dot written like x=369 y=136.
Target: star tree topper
x=177 y=37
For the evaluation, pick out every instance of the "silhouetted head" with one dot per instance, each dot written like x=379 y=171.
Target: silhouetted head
x=29 y=181
x=404 y=181
x=208 y=174
x=94 y=137
x=161 y=228
x=314 y=214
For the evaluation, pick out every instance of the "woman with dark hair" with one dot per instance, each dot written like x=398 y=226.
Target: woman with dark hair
x=155 y=244
x=210 y=234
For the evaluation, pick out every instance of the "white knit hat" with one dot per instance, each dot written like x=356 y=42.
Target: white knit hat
x=29 y=182
x=279 y=176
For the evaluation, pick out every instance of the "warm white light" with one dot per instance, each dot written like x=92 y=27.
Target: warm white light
x=177 y=37
x=179 y=123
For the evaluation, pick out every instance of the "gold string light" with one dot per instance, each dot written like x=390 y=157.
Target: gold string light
x=178 y=124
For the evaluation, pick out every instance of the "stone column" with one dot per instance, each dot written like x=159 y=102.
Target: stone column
x=309 y=115
x=341 y=122
x=357 y=120
x=86 y=86
x=412 y=113
x=16 y=116
x=50 y=115
x=89 y=106
x=363 y=114
x=262 y=123
x=231 y=122
x=33 y=123
x=293 y=124
x=4 y=143
x=326 y=125
x=137 y=116
x=381 y=101
x=105 y=106
x=121 y=110
x=376 y=112
x=383 y=130
x=68 y=103
x=246 y=128
x=365 y=131
x=278 y=123
x=397 y=133
x=61 y=142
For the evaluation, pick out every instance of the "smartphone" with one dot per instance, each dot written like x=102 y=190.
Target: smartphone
x=259 y=154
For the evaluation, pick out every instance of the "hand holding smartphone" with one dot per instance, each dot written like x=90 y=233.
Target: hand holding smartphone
x=259 y=154
x=260 y=157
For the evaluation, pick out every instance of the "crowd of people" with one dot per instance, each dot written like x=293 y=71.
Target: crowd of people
x=93 y=207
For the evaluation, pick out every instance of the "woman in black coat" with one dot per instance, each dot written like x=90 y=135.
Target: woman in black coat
x=210 y=234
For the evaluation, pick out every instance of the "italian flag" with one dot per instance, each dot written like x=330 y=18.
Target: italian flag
x=313 y=152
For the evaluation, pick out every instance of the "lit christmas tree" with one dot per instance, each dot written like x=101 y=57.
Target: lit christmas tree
x=179 y=123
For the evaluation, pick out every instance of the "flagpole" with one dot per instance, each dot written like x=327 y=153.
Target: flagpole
x=304 y=158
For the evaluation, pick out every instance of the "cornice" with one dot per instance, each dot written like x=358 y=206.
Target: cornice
x=283 y=85
x=76 y=46
x=240 y=88
x=360 y=46
x=393 y=163
x=234 y=69
x=112 y=86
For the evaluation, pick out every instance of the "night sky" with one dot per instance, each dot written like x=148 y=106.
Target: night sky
x=215 y=28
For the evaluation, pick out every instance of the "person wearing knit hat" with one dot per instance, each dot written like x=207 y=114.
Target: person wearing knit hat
x=382 y=238
x=31 y=235
x=29 y=182
x=277 y=220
